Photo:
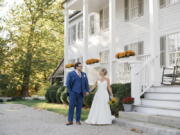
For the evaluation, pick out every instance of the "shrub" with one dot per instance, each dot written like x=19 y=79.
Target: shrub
x=64 y=97
x=51 y=93
x=1 y=101
x=53 y=96
x=120 y=91
x=88 y=100
x=58 y=94
x=47 y=96
x=17 y=98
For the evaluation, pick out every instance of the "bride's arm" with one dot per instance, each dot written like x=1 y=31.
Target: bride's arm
x=94 y=86
x=109 y=88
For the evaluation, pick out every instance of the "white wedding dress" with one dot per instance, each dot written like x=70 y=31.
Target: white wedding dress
x=100 y=112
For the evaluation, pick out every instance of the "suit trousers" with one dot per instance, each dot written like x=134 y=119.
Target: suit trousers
x=75 y=101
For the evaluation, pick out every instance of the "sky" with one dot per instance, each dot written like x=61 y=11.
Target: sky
x=4 y=9
x=7 y=6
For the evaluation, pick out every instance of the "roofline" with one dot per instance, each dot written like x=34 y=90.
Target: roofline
x=62 y=60
x=64 y=1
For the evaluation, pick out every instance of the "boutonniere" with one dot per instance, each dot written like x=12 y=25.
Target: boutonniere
x=84 y=75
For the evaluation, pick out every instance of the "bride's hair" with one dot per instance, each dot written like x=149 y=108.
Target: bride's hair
x=104 y=70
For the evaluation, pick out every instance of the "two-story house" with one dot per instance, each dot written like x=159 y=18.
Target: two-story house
x=151 y=28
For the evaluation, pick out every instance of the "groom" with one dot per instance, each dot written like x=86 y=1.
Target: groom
x=77 y=85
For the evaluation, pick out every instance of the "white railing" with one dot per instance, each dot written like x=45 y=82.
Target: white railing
x=141 y=77
x=123 y=74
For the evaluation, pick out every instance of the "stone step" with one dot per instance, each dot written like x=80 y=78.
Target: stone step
x=165 y=89
x=150 y=129
x=162 y=96
x=173 y=122
x=161 y=103
x=158 y=110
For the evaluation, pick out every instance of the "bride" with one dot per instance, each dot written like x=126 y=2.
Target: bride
x=100 y=112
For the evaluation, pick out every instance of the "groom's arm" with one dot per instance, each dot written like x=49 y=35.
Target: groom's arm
x=87 y=84
x=69 y=82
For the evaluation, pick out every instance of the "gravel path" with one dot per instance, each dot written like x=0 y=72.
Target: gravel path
x=22 y=120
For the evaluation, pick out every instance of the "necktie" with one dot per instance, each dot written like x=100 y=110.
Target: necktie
x=79 y=73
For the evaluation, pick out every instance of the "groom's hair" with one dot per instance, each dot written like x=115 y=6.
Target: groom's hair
x=77 y=64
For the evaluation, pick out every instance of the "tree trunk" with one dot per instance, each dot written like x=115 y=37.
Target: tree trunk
x=28 y=63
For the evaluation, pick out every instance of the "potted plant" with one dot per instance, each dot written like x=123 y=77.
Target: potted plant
x=128 y=104
x=92 y=61
x=125 y=54
x=69 y=65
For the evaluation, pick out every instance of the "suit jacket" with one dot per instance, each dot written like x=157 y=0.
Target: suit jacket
x=76 y=83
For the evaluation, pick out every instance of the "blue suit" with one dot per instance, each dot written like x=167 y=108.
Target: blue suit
x=76 y=86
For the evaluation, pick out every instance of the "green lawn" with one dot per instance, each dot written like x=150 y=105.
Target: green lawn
x=57 y=108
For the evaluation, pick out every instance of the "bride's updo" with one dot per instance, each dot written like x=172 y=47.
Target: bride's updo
x=104 y=71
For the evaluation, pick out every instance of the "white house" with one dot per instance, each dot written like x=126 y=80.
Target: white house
x=151 y=28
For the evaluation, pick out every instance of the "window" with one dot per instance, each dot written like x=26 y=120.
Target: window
x=92 y=25
x=137 y=47
x=133 y=9
x=104 y=57
x=80 y=30
x=104 y=18
x=72 y=61
x=166 y=3
x=173 y=46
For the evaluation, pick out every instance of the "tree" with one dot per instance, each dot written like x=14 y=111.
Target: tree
x=36 y=37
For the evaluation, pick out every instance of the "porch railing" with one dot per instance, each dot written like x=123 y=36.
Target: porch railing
x=141 y=77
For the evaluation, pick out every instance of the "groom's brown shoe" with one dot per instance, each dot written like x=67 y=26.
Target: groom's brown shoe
x=78 y=123
x=69 y=123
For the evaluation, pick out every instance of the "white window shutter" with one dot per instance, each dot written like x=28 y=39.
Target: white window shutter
x=163 y=51
x=126 y=48
x=162 y=3
x=141 y=48
x=101 y=19
x=126 y=11
x=141 y=7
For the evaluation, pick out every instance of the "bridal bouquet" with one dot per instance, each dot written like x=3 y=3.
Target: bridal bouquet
x=113 y=100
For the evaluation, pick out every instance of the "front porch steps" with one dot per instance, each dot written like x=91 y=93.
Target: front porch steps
x=162 y=100
x=150 y=124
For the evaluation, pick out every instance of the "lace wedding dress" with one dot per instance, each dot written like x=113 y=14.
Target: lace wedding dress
x=100 y=112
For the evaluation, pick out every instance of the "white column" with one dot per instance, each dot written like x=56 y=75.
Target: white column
x=66 y=27
x=85 y=33
x=112 y=27
x=155 y=40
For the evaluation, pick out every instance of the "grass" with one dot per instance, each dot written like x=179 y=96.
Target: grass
x=57 y=108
